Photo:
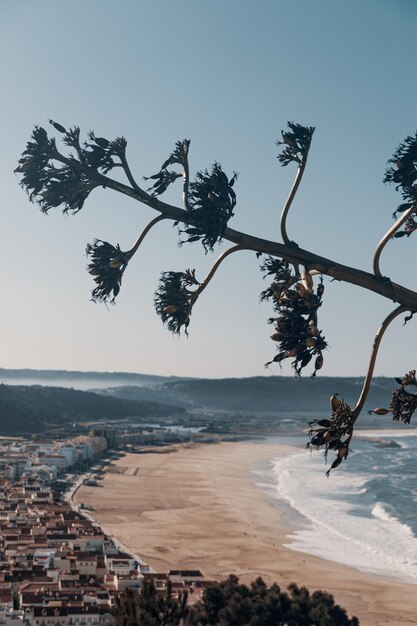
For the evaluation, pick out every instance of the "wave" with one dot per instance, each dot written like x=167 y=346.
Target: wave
x=392 y=434
x=344 y=522
x=380 y=511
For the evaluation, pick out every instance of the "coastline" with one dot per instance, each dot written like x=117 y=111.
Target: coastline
x=199 y=508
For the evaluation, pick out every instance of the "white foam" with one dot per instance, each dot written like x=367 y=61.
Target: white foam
x=378 y=543
x=393 y=434
x=380 y=511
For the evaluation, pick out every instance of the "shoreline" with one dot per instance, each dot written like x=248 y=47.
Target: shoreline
x=199 y=507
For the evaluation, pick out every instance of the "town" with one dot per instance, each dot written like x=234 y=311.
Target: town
x=57 y=566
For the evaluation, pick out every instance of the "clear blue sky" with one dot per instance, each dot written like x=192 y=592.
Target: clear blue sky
x=227 y=75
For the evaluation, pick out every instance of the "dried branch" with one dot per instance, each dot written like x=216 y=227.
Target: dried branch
x=297 y=143
x=54 y=180
x=36 y=172
x=336 y=434
x=108 y=264
x=215 y=267
x=409 y=210
x=174 y=300
x=374 y=353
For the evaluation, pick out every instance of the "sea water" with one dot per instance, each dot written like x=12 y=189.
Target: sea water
x=365 y=514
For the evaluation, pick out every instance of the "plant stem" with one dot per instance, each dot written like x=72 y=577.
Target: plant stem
x=291 y=196
x=291 y=252
x=214 y=269
x=388 y=235
x=129 y=174
x=185 y=186
x=374 y=352
x=142 y=236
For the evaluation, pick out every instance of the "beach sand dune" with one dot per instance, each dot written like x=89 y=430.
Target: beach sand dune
x=198 y=508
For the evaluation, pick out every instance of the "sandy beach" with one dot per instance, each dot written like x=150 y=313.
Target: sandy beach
x=199 y=508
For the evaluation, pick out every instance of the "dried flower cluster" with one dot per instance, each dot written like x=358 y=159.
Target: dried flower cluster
x=210 y=197
x=107 y=265
x=164 y=178
x=334 y=434
x=212 y=200
x=402 y=171
x=296 y=303
x=403 y=403
x=52 y=180
x=410 y=225
x=174 y=300
x=403 y=168
x=297 y=141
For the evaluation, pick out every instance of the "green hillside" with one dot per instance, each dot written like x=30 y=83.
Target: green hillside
x=31 y=408
x=262 y=394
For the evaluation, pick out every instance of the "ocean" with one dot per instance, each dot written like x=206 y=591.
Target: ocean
x=364 y=515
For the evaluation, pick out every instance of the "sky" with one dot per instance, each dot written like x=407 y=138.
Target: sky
x=228 y=76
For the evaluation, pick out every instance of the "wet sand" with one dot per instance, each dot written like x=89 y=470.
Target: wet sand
x=199 y=508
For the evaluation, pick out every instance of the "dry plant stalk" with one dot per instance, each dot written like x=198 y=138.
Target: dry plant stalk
x=55 y=178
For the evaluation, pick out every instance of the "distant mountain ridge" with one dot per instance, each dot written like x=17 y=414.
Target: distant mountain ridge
x=262 y=394
x=79 y=379
x=28 y=409
x=258 y=394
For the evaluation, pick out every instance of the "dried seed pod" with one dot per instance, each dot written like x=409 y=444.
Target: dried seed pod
x=58 y=127
x=280 y=322
x=308 y=281
x=319 y=362
x=312 y=329
x=305 y=360
x=317 y=440
x=335 y=464
x=342 y=452
x=324 y=423
x=292 y=352
x=334 y=402
x=276 y=337
x=170 y=309
x=381 y=411
x=302 y=303
x=302 y=291
x=320 y=290
x=115 y=263
x=311 y=342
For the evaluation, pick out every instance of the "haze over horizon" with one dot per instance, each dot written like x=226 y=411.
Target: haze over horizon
x=228 y=76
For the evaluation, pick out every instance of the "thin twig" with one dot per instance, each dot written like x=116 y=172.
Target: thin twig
x=377 y=341
x=293 y=254
x=287 y=205
x=214 y=269
x=142 y=236
x=129 y=174
x=388 y=235
x=185 y=185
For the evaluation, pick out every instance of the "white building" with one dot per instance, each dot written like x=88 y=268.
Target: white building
x=69 y=452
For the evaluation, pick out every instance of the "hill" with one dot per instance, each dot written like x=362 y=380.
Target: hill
x=272 y=394
x=28 y=409
x=78 y=379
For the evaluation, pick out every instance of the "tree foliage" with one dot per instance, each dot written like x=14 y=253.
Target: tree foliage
x=150 y=608
x=230 y=603
x=55 y=178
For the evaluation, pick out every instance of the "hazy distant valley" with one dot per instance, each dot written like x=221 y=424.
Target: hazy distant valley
x=32 y=400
